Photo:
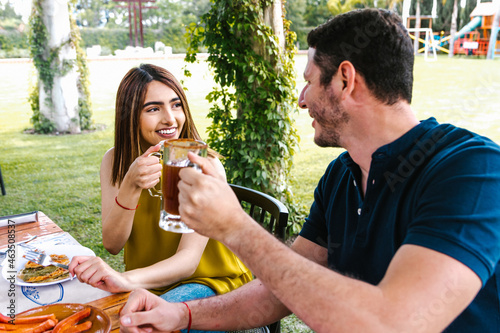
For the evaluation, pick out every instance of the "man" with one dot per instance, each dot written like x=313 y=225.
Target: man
x=404 y=232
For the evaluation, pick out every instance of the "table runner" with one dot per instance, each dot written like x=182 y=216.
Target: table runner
x=15 y=299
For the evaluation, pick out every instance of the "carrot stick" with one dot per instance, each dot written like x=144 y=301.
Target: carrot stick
x=34 y=328
x=79 y=328
x=46 y=325
x=34 y=319
x=24 y=325
x=13 y=327
x=71 y=320
x=7 y=327
x=4 y=318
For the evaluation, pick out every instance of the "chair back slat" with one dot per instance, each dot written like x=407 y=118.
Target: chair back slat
x=251 y=211
x=263 y=208
x=271 y=223
x=2 y=185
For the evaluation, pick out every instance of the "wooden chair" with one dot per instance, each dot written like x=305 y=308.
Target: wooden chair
x=270 y=213
x=263 y=208
x=2 y=185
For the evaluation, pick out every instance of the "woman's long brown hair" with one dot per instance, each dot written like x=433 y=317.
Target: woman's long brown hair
x=129 y=101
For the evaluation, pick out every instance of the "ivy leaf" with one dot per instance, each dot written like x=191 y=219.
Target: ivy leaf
x=250 y=112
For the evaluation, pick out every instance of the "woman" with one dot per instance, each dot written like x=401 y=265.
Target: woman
x=150 y=107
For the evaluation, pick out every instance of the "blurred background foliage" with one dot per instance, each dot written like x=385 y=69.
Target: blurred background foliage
x=106 y=22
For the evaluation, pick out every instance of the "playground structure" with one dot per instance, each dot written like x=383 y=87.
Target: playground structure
x=430 y=44
x=472 y=39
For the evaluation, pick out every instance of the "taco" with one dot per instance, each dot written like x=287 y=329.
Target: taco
x=35 y=273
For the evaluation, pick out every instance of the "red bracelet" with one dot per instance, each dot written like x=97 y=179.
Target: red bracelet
x=116 y=200
x=190 y=318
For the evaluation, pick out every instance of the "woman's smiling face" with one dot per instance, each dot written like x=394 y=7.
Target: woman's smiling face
x=162 y=116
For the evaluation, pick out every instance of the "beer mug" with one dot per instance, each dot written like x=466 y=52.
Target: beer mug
x=174 y=156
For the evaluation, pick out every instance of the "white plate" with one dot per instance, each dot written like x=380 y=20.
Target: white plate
x=69 y=250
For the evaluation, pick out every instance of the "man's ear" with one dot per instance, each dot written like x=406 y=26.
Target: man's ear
x=347 y=75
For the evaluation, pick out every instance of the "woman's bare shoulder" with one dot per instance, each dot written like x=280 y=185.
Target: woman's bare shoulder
x=108 y=156
x=107 y=162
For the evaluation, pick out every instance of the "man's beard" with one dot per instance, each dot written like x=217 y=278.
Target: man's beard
x=330 y=119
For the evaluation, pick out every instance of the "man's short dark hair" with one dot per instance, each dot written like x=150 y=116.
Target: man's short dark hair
x=376 y=43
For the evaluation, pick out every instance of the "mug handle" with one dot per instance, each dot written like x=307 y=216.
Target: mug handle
x=157 y=193
x=194 y=166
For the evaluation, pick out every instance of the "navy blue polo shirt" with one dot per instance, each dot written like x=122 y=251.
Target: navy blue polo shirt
x=437 y=186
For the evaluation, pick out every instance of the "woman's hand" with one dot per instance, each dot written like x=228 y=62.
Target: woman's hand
x=145 y=171
x=95 y=272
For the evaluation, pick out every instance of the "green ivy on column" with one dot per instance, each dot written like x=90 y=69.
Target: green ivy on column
x=47 y=64
x=84 y=103
x=252 y=106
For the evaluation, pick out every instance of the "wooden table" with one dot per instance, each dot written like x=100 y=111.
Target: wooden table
x=111 y=304
x=45 y=226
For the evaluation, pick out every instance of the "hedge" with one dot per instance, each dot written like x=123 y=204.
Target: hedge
x=13 y=44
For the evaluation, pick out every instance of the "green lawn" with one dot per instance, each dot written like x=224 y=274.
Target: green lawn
x=59 y=175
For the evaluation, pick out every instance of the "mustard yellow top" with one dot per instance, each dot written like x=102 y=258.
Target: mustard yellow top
x=219 y=268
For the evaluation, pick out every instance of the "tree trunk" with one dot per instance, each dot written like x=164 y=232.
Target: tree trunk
x=434 y=9
x=494 y=34
x=273 y=17
x=453 y=29
x=60 y=104
x=416 y=43
x=406 y=12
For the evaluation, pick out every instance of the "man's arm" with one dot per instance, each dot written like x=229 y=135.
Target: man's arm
x=249 y=306
x=422 y=289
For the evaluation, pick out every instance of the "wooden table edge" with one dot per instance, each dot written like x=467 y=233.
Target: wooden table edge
x=111 y=305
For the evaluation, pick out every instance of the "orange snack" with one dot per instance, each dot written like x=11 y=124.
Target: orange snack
x=86 y=325
x=4 y=318
x=34 y=319
x=64 y=324
x=38 y=327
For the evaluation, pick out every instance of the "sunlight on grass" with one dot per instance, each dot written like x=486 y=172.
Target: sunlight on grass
x=59 y=175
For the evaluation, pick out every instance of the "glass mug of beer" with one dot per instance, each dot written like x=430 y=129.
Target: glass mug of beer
x=174 y=156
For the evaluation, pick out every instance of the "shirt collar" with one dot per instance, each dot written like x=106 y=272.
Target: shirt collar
x=396 y=147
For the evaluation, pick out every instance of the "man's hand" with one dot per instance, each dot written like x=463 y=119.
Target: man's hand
x=146 y=312
x=206 y=203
